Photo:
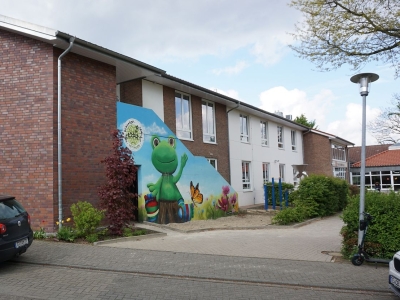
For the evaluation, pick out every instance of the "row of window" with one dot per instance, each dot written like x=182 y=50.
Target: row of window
x=184 y=119
x=184 y=123
x=246 y=179
x=245 y=133
x=386 y=179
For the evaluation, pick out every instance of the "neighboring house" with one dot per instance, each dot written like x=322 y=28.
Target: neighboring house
x=382 y=165
x=326 y=154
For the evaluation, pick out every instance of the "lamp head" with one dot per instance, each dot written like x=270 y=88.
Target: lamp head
x=364 y=79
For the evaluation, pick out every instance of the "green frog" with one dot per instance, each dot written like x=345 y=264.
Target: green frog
x=165 y=160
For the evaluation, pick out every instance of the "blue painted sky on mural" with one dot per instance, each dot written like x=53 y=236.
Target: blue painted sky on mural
x=197 y=169
x=236 y=48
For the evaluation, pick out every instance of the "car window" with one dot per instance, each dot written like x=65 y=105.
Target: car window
x=10 y=209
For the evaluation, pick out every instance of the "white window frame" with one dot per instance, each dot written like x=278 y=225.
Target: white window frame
x=282 y=172
x=244 y=130
x=264 y=133
x=181 y=131
x=339 y=172
x=246 y=178
x=293 y=139
x=209 y=129
x=265 y=172
x=211 y=161
x=280 y=137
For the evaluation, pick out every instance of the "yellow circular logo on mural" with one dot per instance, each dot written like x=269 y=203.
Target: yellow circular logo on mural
x=133 y=134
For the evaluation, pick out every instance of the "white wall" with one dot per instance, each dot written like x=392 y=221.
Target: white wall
x=153 y=97
x=257 y=154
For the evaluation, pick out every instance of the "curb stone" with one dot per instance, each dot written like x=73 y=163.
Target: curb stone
x=130 y=238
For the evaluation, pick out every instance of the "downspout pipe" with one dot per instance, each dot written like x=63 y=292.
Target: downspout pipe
x=59 y=154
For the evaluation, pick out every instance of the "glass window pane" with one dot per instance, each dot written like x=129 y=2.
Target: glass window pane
x=186 y=116
x=210 y=118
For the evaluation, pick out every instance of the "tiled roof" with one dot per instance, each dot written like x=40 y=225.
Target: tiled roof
x=385 y=158
x=355 y=152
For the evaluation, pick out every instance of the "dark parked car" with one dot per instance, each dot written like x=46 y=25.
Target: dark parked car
x=15 y=229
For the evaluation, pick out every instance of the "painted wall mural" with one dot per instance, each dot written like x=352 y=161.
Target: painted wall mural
x=173 y=185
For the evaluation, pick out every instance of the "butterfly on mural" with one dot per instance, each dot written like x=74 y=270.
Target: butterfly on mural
x=195 y=194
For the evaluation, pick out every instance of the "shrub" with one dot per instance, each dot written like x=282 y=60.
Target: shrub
x=116 y=196
x=329 y=193
x=39 y=234
x=66 y=233
x=285 y=187
x=288 y=216
x=382 y=239
x=91 y=238
x=317 y=196
x=86 y=217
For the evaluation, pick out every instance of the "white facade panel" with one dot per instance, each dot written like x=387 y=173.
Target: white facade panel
x=153 y=97
x=257 y=154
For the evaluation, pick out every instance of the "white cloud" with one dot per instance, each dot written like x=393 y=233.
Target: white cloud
x=272 y=48
x=154 y=129
x=350 y=128
x=160 y=30
x=236 y=69
x=296 y=102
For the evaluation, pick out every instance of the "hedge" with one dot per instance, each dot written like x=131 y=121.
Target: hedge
x=383 y=238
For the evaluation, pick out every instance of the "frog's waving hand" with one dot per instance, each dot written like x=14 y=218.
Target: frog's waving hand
x=165 y=160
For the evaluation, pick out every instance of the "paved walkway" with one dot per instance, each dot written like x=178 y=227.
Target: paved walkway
x=310 y=242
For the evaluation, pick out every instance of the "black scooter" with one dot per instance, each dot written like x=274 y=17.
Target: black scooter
x=361 y=255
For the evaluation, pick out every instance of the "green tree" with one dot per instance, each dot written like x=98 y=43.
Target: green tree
x=304 y=121
x=354 y=32
x=386 y=127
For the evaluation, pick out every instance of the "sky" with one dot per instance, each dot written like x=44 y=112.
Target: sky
x=237 y=48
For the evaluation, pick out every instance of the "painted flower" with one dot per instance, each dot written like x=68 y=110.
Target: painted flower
x=225 y=190
x=223 y=204
x=233 y=199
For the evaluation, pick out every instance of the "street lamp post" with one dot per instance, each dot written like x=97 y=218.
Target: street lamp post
x=364 y=80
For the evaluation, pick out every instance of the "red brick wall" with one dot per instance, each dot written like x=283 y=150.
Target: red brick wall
x=317 y=154
x=26 y=126
x=197 y=147
x=88 y=117
x=131 y=92
x=169 y=108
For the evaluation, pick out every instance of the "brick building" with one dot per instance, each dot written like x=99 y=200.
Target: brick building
x=326 y=154
x=55 y=83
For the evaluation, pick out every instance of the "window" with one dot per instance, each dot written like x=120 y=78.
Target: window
x=339 y=173
x=208 y=114
x=244 y=128
x=264 y=133
x=280 y=137
x=293 y=138
x=183 y=116
x=387 y=179
x=213 y=162
x=338 y=152
x=282 y=172
x=265 y=170
x=246 y=175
